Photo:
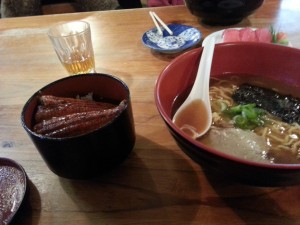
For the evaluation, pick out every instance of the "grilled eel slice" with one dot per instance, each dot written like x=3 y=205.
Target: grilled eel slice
x=67 y=117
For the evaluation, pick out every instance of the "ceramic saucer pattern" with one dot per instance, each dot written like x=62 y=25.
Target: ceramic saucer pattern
x=183 y=37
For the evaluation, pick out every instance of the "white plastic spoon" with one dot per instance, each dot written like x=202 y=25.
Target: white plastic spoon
x=194 y=116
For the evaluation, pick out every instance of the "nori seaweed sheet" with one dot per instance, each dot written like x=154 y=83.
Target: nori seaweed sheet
x=285 y=107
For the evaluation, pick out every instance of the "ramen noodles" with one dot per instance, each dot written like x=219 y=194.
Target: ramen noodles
x=274 y=141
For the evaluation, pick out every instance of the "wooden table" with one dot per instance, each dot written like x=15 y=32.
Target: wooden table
x=158 y=183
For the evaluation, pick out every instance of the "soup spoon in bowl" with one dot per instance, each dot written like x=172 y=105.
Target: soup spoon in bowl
x=194 y=116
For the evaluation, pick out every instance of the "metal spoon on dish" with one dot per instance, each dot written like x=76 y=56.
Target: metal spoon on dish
x=194 y=116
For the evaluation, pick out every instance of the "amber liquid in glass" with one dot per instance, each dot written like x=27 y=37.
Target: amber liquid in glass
x=79 y=64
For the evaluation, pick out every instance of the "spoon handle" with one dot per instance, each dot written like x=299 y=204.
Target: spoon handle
x=203 y=74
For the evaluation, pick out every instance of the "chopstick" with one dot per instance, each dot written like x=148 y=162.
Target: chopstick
x=155 y=22
x=155 y=18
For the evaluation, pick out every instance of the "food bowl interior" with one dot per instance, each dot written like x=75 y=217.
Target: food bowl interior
x=13 y=185
x=103 y=86
x=274 y=63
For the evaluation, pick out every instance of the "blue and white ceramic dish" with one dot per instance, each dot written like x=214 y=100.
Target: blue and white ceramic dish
x=183 y=37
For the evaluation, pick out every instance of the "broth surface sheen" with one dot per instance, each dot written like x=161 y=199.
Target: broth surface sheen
x=195 y=113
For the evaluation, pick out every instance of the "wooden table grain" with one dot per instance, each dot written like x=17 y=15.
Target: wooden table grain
x=158 y=183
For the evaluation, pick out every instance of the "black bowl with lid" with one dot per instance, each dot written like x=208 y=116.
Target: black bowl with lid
x=222 y=12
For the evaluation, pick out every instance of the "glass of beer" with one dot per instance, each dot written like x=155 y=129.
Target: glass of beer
x=72 y=43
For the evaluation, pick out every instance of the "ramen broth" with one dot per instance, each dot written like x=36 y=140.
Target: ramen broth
x=190 y=115
x=274 y=142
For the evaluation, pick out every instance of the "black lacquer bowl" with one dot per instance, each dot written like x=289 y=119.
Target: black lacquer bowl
x=222 y=12
x=91 y=154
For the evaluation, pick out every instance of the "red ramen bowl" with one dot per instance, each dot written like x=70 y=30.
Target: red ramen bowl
x=271 y=62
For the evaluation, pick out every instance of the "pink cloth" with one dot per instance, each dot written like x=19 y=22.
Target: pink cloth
x=157 y=3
